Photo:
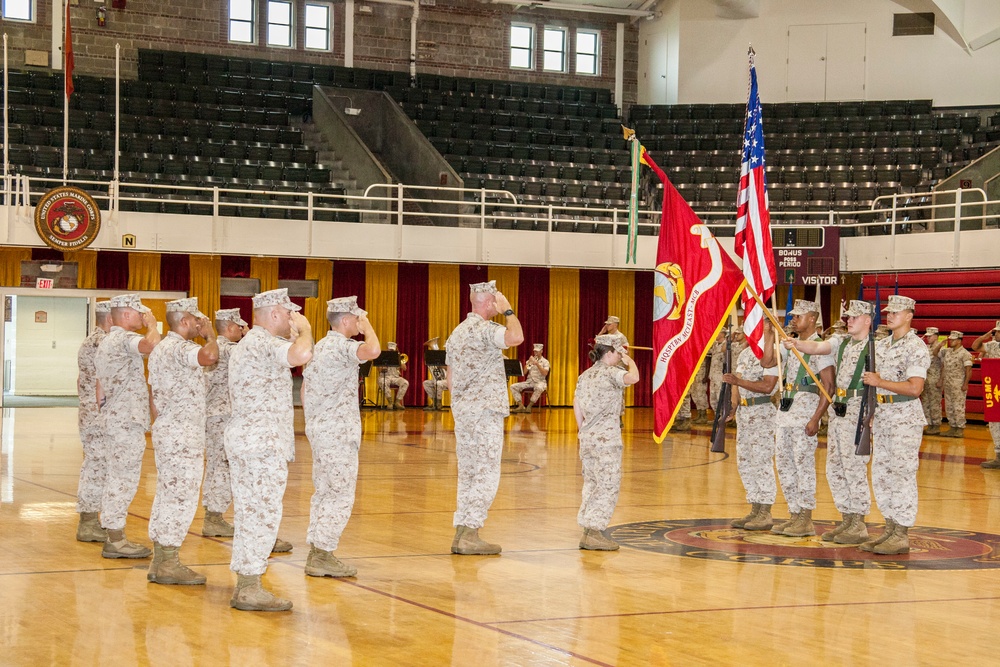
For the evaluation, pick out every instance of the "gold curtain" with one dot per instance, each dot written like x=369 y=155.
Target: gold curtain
x=265 y=269
x=86 y=267
x=206 y=276
x=621 y=302
x=380 y=302
x=564 y=334
x=320 y=270
x=10 y=265
x=143 y=271
x=445 y=302
x=507 y=282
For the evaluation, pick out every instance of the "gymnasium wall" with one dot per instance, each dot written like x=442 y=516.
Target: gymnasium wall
x=455 y=38
x=711 y=62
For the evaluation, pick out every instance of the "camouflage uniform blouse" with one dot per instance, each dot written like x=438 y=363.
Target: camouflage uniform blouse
x=89 y=412
x=177 y=381
x=748 y=368
x=217 y=381
x=598 y=395
x=896 y=361
x=478 y=380
x=535 y=372
x=331 y=396
x=123 y=379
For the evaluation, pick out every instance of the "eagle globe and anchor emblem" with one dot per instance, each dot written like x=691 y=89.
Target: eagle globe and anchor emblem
x=668 y=291
x=67 y=218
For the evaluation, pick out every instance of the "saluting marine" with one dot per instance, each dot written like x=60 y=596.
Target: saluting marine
x=94 y=469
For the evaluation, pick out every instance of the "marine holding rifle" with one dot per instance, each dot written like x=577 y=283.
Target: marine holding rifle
x=846 y=471
x=901 y=360
x=802 y=405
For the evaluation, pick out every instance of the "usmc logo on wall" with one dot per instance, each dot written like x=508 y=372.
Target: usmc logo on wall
x=67 y=218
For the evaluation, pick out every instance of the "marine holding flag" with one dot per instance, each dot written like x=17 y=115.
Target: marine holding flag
x=695 y=286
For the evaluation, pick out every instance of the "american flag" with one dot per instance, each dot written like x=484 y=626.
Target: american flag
x=753 y=220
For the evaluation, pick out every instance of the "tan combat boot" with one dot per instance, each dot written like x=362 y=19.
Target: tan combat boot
x=324 y=564
x=468 y=543
x=118 y=546
x=989 y=465
x=400 y=406
x=89 y=529
x=700 y=417
x=683 y=426
x=595 y=540
x=841 y=527
x=933 y=429
x=518 y=408
x=779 y=528
x=742 y=522
x=955 y=433
x=762 y=521
x=249 y=595
x=281 y=546
x=856 y=531
x=167 y=568
x=215 y=525
x=870 y=544
x=802 y=526
x=898 y=542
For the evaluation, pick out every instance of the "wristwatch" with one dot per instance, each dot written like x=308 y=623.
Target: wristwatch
x=508 y=312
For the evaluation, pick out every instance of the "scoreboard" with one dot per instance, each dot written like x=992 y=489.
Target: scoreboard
x=806 y=255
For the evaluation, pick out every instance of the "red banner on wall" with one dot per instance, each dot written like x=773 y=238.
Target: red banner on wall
x=991 y=389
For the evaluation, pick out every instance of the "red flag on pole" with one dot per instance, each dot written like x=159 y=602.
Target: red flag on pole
x=753 y=220
x=68 y=54
x=695 y=285
x=991 y=389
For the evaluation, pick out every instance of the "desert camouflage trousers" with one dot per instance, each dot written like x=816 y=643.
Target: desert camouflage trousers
x=895 y=459
x=602 y=477
x=954 y=403
x=435 y=388
x=93 y=470
x=258 y=489
x=755 y=452
x=537 y=389
x=335 y=475
x=699 y=389
x=846 y=472
x=795 y=454
x=125 y=447
x=217 y=490
x=478 y=447
x=930 y=399
x=401 y=385
x=995 y=434
x=684 y=412
x=180 y=462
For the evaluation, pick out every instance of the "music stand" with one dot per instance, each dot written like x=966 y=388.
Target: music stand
x=435 y=357
x=512 y=367
x=364 y=370
x=387 y=359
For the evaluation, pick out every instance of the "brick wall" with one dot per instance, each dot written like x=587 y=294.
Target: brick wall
x=460 y=38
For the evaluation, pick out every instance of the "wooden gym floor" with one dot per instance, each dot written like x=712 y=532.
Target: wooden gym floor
x=685 y=591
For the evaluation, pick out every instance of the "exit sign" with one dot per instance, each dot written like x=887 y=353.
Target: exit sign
x=43 y=283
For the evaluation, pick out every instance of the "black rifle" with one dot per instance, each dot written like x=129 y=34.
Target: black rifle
x=863 y=434
x=724 y=407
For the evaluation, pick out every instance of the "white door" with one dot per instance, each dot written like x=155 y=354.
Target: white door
x=806 y=63
x=48 y=333
x=653 y=75
x=826 y=62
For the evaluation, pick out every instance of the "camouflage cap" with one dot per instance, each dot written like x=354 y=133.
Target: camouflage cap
x=188 y=305
x=538 y=346
x=803 y=306
x=275 y=297
x=230 y=315
x=102 y=307
x=996 y=326
x=956 y=335
x=898 y=303
x=612 y=319
x=390 y=346
x=128 y=301
x=609 y=340
x=489 y=287
x=931 y=331
x=859 y=308
x=345 y=304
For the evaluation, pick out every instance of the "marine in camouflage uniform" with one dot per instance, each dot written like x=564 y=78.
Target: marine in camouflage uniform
x=333 y=426
x=260 y=438
x=956 y=369
x=94 y=469
x=597 y=405
x=796 y=428
x=699 y=394
x=122 y=386
x=930 y=398
x=437 y=384
x=718 y=353
x=988 y=345
x=537 y=373
x=755 y=416
x=178 y=384
x=478 y=388
x=217 y=489
x=901 y=362
x=390 y=378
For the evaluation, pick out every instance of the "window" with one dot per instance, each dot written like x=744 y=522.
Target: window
x=554 y=50
x=279 y=23
x=19 y=10
x=318 y=27
x=522 y=46
x=587 y=50
x=241 y=21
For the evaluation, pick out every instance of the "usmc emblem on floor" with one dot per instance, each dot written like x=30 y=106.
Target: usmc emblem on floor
x=67 y=218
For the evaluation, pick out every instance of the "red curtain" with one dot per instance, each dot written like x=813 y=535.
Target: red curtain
x=235 y=266
x=47 y=255
x=112 y=270
x=349 y=279
x=469 y=274
x=642 y=395
x=175 y=273
x=593 y=309
x=411 y=325
x=533 y=308
x=291 y=268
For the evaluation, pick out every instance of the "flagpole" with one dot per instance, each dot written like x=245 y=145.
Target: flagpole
x=782 y=334
x=118 y=119
x=6 y=142
x=66 y=74
x=777 y=348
